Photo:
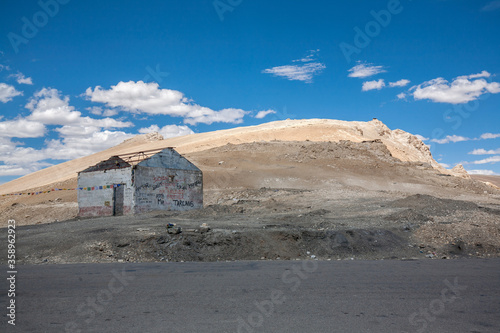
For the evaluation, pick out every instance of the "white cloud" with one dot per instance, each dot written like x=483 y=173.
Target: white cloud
x=2 y=67
x=363 y=70
x=401 y=96
x=97 y=110
x=304 y=72
x=444 y=165
x=490 y=136
x=462 y=89
x=450 y=138
x=6 y=145
x=262 y=114
x=168 y=131
x=9 y=170
x=421 y=137
x=64 y=149
x=400 y=83
x=21 y=79
x=21 y=128
x=475 y=76
x=485 y=152
x=48 y=108
x=493 y=159
x=481 y=172
x=109 y=112
x=17 y=170
x=141 y=97
x=491 y=6
x=71 y=147
x=80 y=136
x=7 y=92
x=207 y=116
x=77 y=130
x=309 y=57
x=371 y=85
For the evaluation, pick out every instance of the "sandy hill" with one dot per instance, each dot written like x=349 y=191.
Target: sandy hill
x=402 y=145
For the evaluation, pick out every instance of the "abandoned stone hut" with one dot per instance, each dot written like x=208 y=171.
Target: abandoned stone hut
x=160 y=179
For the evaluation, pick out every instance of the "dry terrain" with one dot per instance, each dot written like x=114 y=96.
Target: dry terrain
x=293 y=189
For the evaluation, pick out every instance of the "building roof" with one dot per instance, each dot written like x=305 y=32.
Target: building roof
x=168 y=159
x=159 y=158
x=114 y=162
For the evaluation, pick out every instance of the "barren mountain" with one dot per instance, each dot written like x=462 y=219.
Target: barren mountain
x=402 y=145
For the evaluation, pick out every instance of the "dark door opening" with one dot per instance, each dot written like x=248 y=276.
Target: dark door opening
x=118 y=198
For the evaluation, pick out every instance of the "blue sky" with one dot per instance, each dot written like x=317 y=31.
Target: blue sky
x=79 y=76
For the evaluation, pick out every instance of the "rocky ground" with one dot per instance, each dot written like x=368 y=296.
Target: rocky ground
x=268 y=224
x=280 y=200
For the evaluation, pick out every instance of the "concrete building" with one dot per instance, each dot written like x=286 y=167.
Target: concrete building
x=140 y=182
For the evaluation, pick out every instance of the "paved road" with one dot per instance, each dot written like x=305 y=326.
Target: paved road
x=294 y=296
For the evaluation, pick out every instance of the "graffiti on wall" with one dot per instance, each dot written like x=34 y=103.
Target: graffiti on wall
x=182 y=203
x=168 y=191
x=160 y=199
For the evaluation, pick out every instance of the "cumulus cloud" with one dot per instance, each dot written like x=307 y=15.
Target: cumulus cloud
x=71 y=147
x=64 y=149
x=21 y=79
x=363 y=70
x=304 y=72
x=475 y=76
x=47 y=107
x=400 y=83
x=78 y=136
x=7 y=92
x=490 y=136
x=99 y=111
x=401 y=95
x=6 y=145
x=379 y=84
x=485 y=152
x=462 y=89
x=450 y=138
x=262 y=114
x=481 y=172
x=141 y=97
x=96 y=110
x=493 y=159
x=18 y=170
x=21 y=128
x=168 y=131
x=371 y=85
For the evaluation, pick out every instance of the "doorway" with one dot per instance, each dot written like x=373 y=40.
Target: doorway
x=118 y=198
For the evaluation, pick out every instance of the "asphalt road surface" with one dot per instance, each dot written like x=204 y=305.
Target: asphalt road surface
x=265 y=296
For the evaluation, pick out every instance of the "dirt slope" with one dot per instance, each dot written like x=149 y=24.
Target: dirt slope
x=228 y=170
x=402 y=145
x=494 y=180
x=279 y=199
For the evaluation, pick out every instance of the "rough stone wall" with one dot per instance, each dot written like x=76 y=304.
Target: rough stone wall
x=167 y=189
x=100 y=202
